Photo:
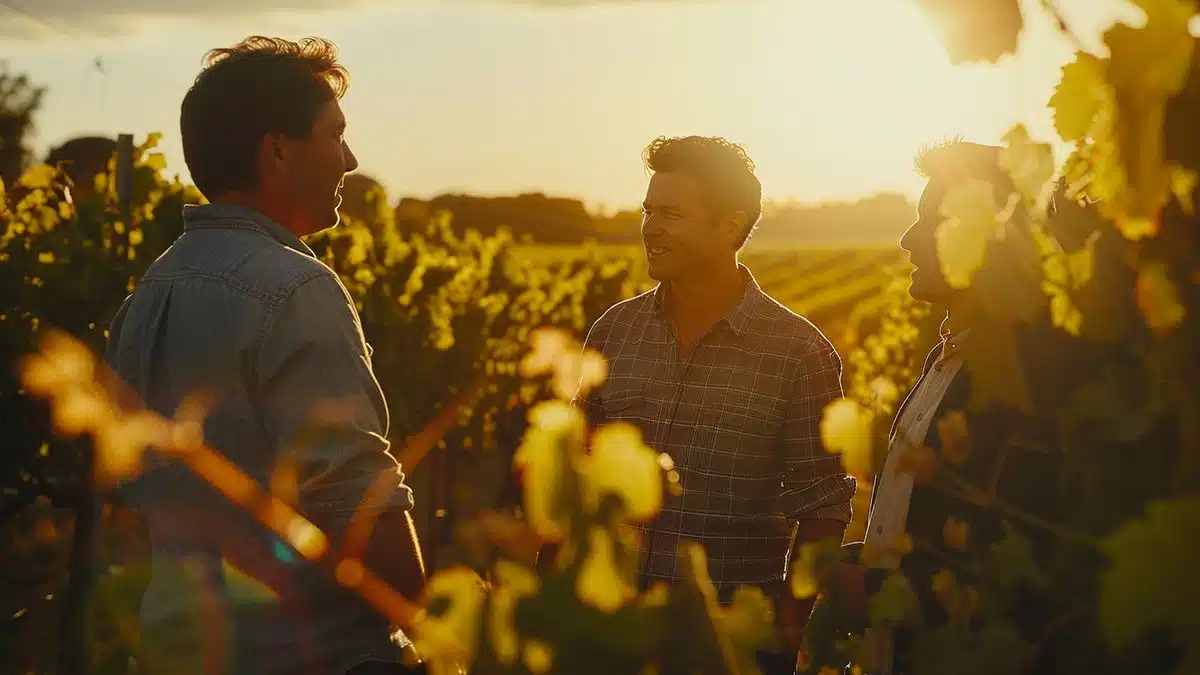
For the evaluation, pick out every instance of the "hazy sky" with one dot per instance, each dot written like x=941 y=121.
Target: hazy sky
x=831 y=97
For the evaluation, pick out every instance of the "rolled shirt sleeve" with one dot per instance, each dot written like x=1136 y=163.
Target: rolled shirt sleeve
x=322 y=405
x=816 y=485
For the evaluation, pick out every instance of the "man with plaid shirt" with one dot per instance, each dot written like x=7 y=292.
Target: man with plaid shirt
x=725 y=380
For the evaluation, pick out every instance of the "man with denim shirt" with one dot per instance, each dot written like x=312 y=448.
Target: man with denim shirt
x=240 y=309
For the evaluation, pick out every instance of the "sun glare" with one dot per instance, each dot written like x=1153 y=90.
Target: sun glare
x=862 y=85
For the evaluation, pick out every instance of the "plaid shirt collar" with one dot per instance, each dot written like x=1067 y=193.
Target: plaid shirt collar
x=738 y=319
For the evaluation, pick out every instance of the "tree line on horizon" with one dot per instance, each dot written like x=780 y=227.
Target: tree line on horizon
x=536 y=217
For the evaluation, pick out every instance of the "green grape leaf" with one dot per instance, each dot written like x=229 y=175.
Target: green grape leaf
x=39 y=176
x=151 y=142
x=1155 y=58
x=984 y=30
x=749 y=624
x=1151 y=581
x=1009 y=283
x=1158 y=298
x=811 y=570
x=1116 y=405
x=847 y=427
x=1147 y=66
x=1079 y=97
x=895 y=602
x=1030 y=165
x=156 y=161
x=970 y=223
x=1010 y=562
x=996 y=370
x=997 y=649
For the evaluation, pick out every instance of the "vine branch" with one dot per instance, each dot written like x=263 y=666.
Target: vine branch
x=978 y=497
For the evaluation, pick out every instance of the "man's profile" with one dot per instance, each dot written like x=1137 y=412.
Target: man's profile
x=239 y=308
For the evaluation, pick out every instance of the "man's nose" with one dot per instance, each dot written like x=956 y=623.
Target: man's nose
x=351 y=160
x=651 y=227
x=906 y=239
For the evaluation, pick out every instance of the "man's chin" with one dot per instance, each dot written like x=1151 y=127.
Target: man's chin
x=922 y=292
x=659 y=273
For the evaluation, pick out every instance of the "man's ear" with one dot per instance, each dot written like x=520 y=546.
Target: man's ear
x=272 y=148
x=733 y=226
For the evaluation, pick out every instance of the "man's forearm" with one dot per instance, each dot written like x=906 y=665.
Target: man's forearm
x=807 y=532
x=391 y=548
x=394 y=553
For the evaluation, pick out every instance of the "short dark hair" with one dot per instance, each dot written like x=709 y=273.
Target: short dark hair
x=722 y=167
x=955 y=160
x=258 y=86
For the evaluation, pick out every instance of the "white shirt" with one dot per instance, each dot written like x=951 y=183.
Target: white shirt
x=888 y=519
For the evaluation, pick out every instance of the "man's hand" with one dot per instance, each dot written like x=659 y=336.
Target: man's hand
x=791 y=617
x=850 y=582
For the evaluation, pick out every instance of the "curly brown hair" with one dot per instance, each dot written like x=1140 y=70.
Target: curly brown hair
x=723 y=168
x=260 y=85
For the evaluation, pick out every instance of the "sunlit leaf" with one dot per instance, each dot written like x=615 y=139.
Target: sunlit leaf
x=543 y=457
x=952 y=432
x=1154 y=58
x=1147 y=66
x=156 y=161
x=600 y=583
x=39 y=176
x=449 y=626
x=954 y=533
x=848 y=428
x=572 y=370
x=621 y=464
x=749 y=622
x=1030 y=165
x=976 y=31
x=537 y=656
x=813 y=565
x=1079 y=96
x=512 y=582
x=1183 y=185
x=1158 y=298
x=121 y=443
x=580 y=373
x=151 y=142
x=895 y=602
x=970 y=211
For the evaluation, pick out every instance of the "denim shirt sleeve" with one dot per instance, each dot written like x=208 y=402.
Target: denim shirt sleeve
x=321 y=405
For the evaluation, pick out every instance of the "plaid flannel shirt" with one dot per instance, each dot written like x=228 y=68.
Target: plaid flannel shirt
x=740 y=419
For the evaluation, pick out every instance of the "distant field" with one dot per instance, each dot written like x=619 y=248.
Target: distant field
x=829 y=285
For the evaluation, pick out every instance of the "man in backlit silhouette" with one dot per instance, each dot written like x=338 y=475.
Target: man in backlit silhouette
x=954 y=460
x=725 y=380
x=241 y=310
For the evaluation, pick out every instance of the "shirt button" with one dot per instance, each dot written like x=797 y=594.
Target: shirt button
x=920 y=416
x=879 y=530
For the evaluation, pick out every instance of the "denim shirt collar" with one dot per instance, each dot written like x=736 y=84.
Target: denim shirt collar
x=236 y=217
